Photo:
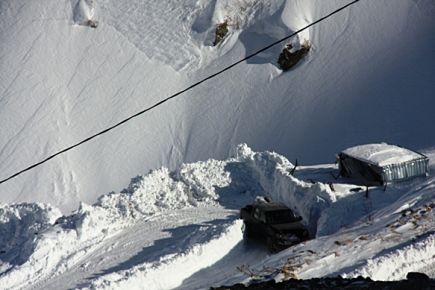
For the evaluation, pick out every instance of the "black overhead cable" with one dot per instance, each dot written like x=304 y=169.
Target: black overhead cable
x=176 y=94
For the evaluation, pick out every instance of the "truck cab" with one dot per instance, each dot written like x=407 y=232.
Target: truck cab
x=274 y=223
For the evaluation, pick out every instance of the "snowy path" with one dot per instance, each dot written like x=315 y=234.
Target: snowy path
x=61 y=82
x=181 y=230
x=162 y=236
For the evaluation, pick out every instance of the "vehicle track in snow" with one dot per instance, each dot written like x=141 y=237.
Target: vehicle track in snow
x=148 y=242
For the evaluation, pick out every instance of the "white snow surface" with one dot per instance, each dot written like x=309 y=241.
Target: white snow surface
x=84 y=11
x=368 y=78
x=181 y=230
x=382 y=154
x=362 y=82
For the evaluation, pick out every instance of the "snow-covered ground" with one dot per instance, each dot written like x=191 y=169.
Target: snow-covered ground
x=182 y=230
x=368 y=78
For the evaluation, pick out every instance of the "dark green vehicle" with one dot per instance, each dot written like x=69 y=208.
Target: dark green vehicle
x=273 y=223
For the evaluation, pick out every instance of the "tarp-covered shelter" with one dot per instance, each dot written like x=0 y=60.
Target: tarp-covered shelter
x=377 y=164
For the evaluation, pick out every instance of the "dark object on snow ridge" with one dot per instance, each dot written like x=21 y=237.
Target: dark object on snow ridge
x=288 y=59
x=221 y=32
x=92 y=23
x=417 y=276
x=274 y=223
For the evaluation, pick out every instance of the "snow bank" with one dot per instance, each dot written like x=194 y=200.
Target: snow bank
x=171 y=270
x=397 y=263
x=66 y=241
x=22 y=221
x=63 y=243
x=40 y=244
x=273 y=171
x=21 y=226
x=158 y=191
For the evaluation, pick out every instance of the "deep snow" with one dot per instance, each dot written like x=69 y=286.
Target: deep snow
x=69 y=224
x=368 y=78
x=181 y=229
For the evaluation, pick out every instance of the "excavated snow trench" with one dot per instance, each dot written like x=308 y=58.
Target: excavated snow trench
x=181 y=228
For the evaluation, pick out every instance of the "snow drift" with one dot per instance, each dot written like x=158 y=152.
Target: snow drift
x=61 y=82
x=56 y=243
x=45 y=247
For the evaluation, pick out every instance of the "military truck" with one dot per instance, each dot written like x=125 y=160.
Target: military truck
x=274 y=223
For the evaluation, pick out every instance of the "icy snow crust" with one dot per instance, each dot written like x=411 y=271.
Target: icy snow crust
x=60 y=82
x=382 y=154
x=181 y=229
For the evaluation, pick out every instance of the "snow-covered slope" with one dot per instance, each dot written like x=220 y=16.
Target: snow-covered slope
x=71 y=68
x=181 y=229
x=368 y=78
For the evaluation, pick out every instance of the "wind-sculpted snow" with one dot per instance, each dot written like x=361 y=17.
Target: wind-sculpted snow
x=61 y=82
x=186 y=42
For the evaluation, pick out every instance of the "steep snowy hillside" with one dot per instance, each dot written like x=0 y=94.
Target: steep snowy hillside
x=368 y=77
x=182 y=230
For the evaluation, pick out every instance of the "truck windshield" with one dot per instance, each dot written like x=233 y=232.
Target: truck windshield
x=280 y=217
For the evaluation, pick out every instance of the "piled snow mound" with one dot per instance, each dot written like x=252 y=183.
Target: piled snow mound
x=397 y=263
x=171 y=270
x=20 y=224
x=273 y=172
x=40 y=243
x=160 y=190
x=84 y=11
x=64 y=242
x=382 y=235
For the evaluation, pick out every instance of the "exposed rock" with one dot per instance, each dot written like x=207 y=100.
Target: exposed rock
x=221 y=32
x=417 y=276
x=415 y=281
x=290 y=57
